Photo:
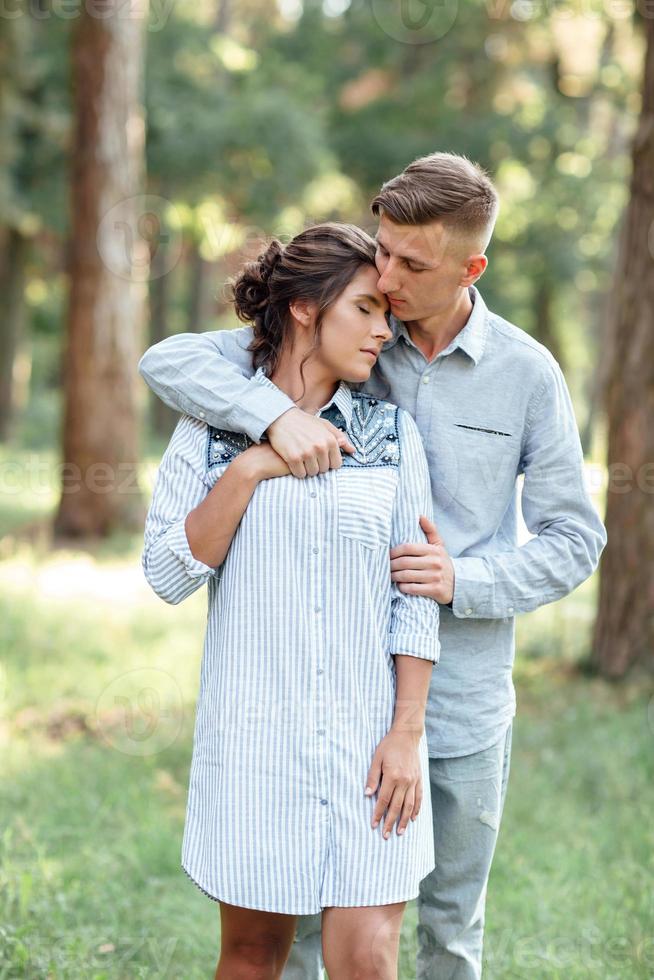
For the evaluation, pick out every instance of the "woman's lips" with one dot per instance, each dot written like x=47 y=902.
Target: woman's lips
x=395 y=302
x=373 y=354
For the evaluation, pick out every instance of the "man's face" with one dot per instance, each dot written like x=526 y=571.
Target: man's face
x=421 y=267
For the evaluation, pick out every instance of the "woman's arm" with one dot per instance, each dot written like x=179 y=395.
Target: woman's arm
x=414 y=644
x=190 y=526
x=413 y=675
x=211 y=526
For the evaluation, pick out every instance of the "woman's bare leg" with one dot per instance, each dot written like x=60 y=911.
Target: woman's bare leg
x=362 y=943
x=254 y=945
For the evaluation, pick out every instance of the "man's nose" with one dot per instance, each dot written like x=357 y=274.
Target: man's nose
x=388 y=280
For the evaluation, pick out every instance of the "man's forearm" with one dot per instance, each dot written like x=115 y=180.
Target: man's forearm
x=543 y=570
x=208 y=376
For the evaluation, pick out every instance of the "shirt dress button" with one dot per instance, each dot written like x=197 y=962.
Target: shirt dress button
x=321 y=731
x=316 y=550
x=320 y=671
x=426 y=380
x=324 y=802
x=313 y=493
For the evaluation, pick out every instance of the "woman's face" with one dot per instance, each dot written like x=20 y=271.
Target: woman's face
x=354 y=329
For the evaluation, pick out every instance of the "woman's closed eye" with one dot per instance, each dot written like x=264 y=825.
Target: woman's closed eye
x=364 y=310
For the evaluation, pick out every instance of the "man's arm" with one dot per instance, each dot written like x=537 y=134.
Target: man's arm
x=209 y=376
x=556 y=507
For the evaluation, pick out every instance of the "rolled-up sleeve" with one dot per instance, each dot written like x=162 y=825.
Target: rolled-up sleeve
x=180 y=485
x=414 y=619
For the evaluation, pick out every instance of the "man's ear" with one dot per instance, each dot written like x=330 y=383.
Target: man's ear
x=474 y=269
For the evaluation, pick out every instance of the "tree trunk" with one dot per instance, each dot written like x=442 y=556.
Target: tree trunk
x=545 y=332
x=624 y=629
x=100 y=490
x=163 y=417
x=199 y=270
x=12 y=281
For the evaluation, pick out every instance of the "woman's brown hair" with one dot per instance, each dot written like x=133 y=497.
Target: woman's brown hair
x=316 y=266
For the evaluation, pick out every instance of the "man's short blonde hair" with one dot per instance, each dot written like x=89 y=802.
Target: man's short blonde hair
x=442 y=187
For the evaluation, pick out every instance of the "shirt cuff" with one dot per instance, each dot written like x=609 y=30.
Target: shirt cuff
x=177 y=543
x=473 y=589
x=414 y=645
x=263 y=403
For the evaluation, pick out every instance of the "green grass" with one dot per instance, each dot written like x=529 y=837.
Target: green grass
x=98 y=680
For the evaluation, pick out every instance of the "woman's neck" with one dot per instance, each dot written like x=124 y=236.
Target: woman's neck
x=319 y=385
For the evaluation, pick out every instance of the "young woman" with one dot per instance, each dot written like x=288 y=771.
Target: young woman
x=316 y=667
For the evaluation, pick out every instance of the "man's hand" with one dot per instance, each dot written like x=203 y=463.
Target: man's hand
x=309 y=444
x=424 y=569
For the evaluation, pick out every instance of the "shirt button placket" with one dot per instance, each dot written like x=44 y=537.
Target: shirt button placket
x=316 y=599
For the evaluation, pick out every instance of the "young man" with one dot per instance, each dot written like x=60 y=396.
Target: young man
x=491 y=404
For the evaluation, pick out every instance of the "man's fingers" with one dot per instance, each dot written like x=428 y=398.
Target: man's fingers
x=403 y=550
x=340 y=436
x=413 y=588
x=417 y=561
x=335 y=458
x=412 y=575
x=430 y=529
x=297 y=468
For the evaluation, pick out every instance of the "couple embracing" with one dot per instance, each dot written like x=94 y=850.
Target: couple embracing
x=343 y=478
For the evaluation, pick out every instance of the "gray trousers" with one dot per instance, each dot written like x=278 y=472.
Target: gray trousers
x=467 y=796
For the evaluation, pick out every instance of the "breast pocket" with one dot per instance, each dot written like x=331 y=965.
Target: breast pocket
x=476 y=463
x=365 y=504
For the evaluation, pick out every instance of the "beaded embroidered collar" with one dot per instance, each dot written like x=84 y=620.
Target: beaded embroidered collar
x=373 y=433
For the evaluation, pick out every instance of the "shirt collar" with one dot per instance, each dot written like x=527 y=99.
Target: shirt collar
x=471 y=338
x=342 y=397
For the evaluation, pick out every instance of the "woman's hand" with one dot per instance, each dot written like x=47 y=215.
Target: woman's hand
x=397 y=762
x=263 y=462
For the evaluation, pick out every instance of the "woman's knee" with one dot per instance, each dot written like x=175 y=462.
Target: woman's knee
x=362 y=944
x=255 y=945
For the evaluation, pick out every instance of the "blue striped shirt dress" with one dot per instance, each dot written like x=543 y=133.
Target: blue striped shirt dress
x=297 y=682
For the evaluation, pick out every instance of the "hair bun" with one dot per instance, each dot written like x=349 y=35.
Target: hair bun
x=251 y=288
x=269 y=259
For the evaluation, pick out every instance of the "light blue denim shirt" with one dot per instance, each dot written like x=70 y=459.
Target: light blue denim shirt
x=490 y=407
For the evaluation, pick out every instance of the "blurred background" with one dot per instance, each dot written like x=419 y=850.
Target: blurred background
x=144 y=152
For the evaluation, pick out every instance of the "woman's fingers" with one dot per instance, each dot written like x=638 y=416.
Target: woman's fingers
x=407 y=809
x=374 y=773
x=395 y=809
x=418 y=800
